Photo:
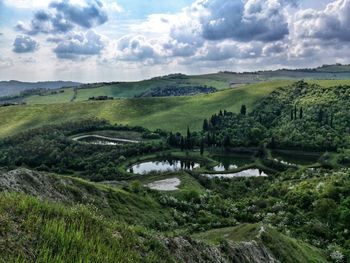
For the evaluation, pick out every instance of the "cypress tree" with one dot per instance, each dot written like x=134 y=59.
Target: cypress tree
x=331 y=124
x=188 y=132
x=272 y=143
x=295 y=112
x=291 y=115
x=171 y=139
x=227 y=141
x=301 y=113
x=205 y=125
x=208 y=139
x=202 y=147
x=320 y=116
x=243 y=110
x=182 y=143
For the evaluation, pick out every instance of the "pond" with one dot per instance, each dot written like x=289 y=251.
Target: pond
x=227 y=163
x=163 y=166
x=244 y=173
x=295 y=158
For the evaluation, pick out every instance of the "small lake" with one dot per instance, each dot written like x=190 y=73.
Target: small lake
x=244 y=173
x=162 y=166
x=295 y=158
x=227 y=163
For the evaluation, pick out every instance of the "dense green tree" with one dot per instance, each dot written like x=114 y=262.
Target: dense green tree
x=202 y=147
x=227 y=141
x=205 y=125
x=243 y=110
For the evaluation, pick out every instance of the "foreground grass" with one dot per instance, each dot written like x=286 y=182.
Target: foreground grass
x=35 y=231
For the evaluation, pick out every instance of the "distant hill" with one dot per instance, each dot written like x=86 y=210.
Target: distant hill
x=13 y=87
x=181 y=85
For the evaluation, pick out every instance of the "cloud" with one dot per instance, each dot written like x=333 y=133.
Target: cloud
x=88 y=15
x=26 y=4
x=63 y=16
x=5 y=62
x=114 y=7
x=137 y=48
x=24 y=44
x=260 y=20
x=79 y=45
x=229 y=49
x=332 y=23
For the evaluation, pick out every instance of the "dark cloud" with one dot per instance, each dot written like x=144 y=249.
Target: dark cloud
x=93 y=14
x=24 y=44
x=79 y=46
x=328 y=24
x=46 y=23
x=261 y=20
x=63 y=16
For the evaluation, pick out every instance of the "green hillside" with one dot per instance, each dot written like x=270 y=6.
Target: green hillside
x=169 y=113
x=51 y=218
x=220 y=81
x=131 y=89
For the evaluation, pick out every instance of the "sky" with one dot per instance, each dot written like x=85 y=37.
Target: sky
x=123 y=40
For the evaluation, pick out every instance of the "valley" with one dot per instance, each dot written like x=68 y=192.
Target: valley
x=249 y=173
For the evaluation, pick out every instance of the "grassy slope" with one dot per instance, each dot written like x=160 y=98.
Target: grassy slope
x=33 y=230
x=169 y=113
x=66 y=96
x=131 y=89
x=283 y=247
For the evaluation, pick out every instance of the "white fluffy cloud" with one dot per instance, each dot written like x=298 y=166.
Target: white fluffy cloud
x=79 y=45
x=328 y=24
x=138 y=48
x=262 y=20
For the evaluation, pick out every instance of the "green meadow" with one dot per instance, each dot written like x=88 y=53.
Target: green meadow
x=168 y=113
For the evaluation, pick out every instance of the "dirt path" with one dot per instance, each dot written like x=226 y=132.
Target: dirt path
x=170 y=184
x=105 y=138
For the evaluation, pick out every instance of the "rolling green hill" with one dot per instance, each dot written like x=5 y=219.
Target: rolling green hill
x=131 y=89
x=219 y=81
x=168 y=113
